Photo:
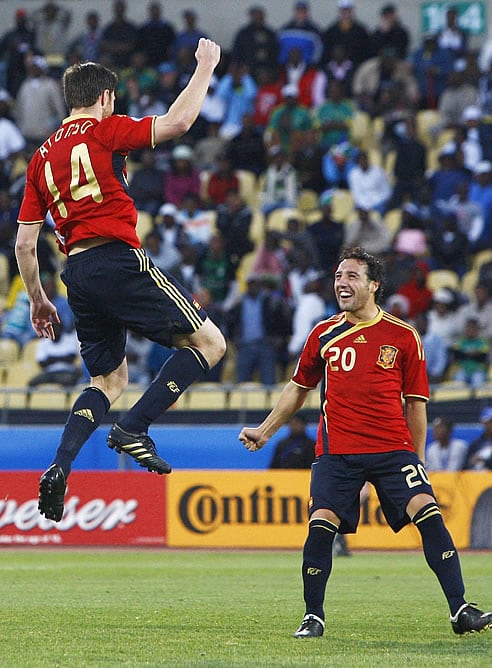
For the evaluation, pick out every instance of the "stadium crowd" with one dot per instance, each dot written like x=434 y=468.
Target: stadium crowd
x=311 y=138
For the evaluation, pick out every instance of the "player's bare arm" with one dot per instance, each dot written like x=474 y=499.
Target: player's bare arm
x=416 y=417
x=43 y=312
x=185 y=109
x=290 y=401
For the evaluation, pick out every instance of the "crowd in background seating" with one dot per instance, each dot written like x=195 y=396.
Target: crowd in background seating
x=310 y=139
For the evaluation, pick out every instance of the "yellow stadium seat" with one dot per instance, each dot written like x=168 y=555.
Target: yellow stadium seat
x=484 y=391
x=277 y=220
x=392 y=220
x=427 y=122
x=342 y=205
x=248 y=396
x=481 y=258
x=451 y=391
x=9 y=354
x=360 y=132
x=206 y=396
x=4 y=276
x=245 y=268
x=257 y=229
x=469 y=281
x=443 y=278
x=248 y=187
x=307 y=201
x=144 y=224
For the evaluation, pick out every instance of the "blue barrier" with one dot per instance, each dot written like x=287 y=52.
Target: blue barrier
x=185 y=447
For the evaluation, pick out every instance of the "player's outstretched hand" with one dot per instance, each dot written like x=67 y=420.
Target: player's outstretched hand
x=43 y=315
x=207 y=52
x=252 y=439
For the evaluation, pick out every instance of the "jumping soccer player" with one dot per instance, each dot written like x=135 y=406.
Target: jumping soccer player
x=366 y=360
x=78 y=175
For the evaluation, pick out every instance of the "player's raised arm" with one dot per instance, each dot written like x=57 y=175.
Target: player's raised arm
x=290 y=401
x=185 y=109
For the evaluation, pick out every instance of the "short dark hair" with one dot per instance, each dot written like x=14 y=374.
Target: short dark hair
x=83 y=83
x=375 y=267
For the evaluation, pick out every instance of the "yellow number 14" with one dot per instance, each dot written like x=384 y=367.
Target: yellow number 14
x=79 y=160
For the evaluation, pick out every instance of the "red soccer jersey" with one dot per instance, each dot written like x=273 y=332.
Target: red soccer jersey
x=79 y=176
x=364 y=370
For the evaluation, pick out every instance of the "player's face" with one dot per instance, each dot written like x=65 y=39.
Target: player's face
x=354 y=291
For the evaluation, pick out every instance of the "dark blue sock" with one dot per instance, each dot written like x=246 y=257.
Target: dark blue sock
x=85 y=417
x=441 y=554
x=317 y=563
x=177 y=373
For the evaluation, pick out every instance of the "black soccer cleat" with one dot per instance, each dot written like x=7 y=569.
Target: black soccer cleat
x=311 y=626
x=469 y=619
x=52 y=488
x=140 y=447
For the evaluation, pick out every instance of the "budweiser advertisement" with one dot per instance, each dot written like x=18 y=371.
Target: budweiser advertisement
x=110 y=508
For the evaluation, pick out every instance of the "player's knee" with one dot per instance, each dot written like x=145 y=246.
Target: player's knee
x=211 y=343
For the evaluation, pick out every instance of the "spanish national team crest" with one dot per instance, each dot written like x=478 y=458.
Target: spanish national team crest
x=387 y=356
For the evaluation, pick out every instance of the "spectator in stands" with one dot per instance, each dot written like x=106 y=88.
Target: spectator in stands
x=120 y=38
x=165 y=256
x=410 y=164
x=448 y=245
x=470 y=353
x=260 y=325
x=137 y=354
x=209 y=148
x=449 y=174
x=469 y=149
x=237 y=89
x=481 y=194
x=442 y=316
x=39 y=105
x=296 y=450
x=390 y=32
x=197 y=224
x=222 y=180
x=419 y=296
x=233 y=223
x=8 y=229
x=480 y=450
x=411 y=237
x=340 y=68
x=271 y=258
x=480 y=308
x=337 y=164
x=185 y=63
x=369 y=185
x=308 y=78
x=256 y=44
x=51 y=24
x=246 y=150
x=458 y=94
x=280 y=182
x=143 y=77
x=14 y=45
x=451 y=37
x=217 y=275
x=191 y=34
x=369 y=231
x=307 y=160
x=183 y=177
x=436 y=353
x=146 y=184
x=327 y=235
x=167 y=87
x=445 y=452
x=348 y=32
x=172 y=232
x=372 y=76
x=86 y=47
x=302 y=270
x=268 y=97
x=468 y=213
x=288 y=122
x=333 y=117
x=431 y=65
x=12 y=143
x=301 y=33
x=58 y=358
x=309 y=308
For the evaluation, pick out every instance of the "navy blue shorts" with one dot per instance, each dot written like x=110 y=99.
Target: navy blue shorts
x=114 y=287
x=336 y=482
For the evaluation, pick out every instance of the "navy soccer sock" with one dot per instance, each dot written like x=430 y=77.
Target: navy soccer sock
x=441 y=554
x=85 y=417
x=317 y=563
x=177 y=373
